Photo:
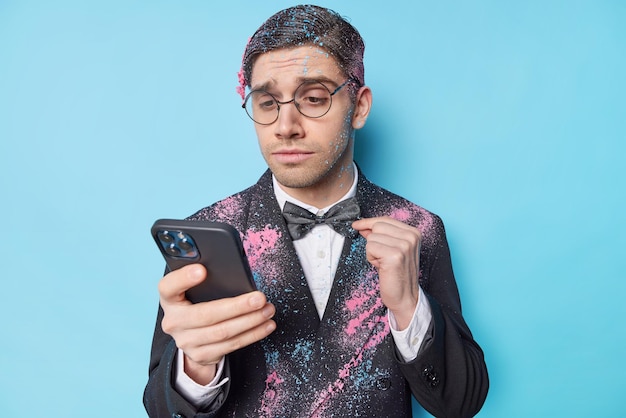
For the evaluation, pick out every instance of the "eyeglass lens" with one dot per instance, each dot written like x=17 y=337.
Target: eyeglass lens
x=312 y=99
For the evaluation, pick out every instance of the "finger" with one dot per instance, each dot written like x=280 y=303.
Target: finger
x=394 y=233
x=227 y=308
x=364 y=224
x=173 y=286
x=393 y=248
x=370 y=223
x=226 y=330
x=382 y=254
x=395 y=237
x=203 y=314
x=210 y=354
x=390 y=245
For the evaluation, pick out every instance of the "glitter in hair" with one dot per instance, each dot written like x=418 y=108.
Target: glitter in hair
x=306 y=25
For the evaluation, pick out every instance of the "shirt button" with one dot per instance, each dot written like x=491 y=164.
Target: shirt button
x=321 y=254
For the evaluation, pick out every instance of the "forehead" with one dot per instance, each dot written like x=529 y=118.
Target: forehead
x=283 y=66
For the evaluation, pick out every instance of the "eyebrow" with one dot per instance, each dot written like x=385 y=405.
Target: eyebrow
x=302 y=79
x=321 y=79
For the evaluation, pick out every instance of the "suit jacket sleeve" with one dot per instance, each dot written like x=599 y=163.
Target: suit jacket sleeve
x=449 y=376
x=160 y=398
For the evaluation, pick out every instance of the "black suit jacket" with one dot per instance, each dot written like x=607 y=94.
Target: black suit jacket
x=344 y=364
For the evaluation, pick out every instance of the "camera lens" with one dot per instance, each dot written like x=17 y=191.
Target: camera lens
x=185 y=245
x=172 y=249
x=165 y=236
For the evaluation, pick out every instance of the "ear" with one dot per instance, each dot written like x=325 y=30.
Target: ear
x=362 y=106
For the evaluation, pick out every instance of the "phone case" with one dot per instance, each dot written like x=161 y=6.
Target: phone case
x=215 y=245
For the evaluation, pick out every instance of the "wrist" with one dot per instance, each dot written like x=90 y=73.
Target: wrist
x=199 y=373
x=403 y=313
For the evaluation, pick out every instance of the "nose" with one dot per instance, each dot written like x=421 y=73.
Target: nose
x=288 y=125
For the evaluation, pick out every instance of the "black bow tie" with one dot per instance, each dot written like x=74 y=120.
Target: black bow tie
x=339 y=217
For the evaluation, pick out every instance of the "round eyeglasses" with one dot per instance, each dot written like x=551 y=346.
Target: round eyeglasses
x=312 y=99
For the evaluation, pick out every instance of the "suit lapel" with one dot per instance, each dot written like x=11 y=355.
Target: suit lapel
x=355 y=321
x=278 y=274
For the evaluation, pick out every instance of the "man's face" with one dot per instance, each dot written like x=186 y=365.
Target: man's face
x=305 y=154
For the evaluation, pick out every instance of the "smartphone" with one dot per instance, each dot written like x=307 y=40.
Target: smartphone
x=216 y=246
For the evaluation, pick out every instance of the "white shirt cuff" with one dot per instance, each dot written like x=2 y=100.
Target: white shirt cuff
x=198 y=395
x=409 y=340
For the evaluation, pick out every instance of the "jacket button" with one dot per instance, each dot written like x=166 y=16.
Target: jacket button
x=430 y=376
x=383 y=383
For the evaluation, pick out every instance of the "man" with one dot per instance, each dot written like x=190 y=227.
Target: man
x=353 y=314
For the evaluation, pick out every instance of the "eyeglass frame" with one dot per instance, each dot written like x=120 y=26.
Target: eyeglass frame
x=293 y=99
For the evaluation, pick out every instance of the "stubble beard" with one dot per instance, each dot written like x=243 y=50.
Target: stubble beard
x=316 y=175
x=302 y=177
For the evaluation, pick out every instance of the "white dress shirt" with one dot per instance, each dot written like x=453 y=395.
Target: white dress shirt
x=319 y=253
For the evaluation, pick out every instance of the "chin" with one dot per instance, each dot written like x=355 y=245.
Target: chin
x=295 y=182
x=297 y=178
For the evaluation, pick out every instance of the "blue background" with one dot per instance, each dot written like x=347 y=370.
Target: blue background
x=506 y=118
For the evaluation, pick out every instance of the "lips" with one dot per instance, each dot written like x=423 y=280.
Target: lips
x=291 y=156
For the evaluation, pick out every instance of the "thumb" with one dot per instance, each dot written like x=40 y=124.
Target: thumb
x=362 y=227
x=173 y=286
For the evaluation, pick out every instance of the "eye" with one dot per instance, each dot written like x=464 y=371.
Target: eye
x=313 y=96
x=263 y=101
x=315 y=99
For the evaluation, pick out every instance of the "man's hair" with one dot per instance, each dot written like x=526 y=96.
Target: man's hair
x=307 y=25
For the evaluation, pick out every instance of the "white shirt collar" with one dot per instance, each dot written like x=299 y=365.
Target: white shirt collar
x=282 y=196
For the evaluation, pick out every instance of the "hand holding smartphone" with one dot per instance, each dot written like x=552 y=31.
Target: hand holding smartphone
x=216 y=246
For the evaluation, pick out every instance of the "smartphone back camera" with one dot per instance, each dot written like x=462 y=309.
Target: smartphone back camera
x=177 y=244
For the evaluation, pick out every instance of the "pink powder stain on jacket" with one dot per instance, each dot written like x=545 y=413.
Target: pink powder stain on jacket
x=363 y=303
x=425 y=225
x=359 y=300
x=361 y=321
x=338 y=385
x=257 y=243
x=378 y=337
x=272 y=397
x=365 y=322
x=362 y=295
x=228 y=208
x=401 y=214
x=345 y=371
